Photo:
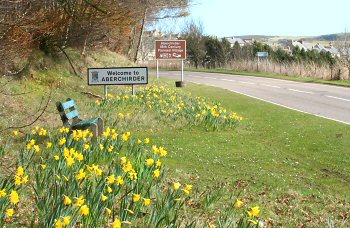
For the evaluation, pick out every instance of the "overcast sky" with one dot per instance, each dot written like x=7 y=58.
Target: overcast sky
x=272 y=17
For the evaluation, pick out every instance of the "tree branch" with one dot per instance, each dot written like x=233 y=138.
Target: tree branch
x=36 y=119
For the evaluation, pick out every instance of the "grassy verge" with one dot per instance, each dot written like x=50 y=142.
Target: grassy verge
x=344 y=83
x=294 y=165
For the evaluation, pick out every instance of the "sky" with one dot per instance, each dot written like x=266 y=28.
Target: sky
x=225 y=18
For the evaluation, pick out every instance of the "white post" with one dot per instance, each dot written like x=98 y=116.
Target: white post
x=157 y=69
x=106 y=92
x=182 y=70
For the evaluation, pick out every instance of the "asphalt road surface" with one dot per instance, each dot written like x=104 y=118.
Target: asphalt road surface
x=331 y=102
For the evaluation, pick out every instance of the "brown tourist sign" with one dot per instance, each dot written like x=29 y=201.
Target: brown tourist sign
x=171 y=49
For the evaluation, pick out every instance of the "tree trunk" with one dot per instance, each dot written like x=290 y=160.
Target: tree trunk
x=141 y=34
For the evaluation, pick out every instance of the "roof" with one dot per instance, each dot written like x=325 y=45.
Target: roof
x=233 y=40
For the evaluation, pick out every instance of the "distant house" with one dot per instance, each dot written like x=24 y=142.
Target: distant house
x=331 y=49
x=302 y=45
x=232 y=40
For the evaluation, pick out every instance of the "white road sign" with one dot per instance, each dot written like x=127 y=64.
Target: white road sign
x=262 y=54
x=118 y=76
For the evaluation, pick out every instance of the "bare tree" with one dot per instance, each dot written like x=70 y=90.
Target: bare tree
x=343 y=46
x=195 y=41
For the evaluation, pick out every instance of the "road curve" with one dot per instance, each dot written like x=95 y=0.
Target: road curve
x=331 y=102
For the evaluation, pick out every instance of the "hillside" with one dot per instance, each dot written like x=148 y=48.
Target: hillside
x=310 y=39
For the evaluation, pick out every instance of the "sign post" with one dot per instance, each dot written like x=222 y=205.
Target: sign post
x=118 y=76
x=157 y=69
x=171 y=50
x=262 y=54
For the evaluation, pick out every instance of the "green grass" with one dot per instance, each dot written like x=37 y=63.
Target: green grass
x=295 y=166
x=275 y=152
x=345 y=83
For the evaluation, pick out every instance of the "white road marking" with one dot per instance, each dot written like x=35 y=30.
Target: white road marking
x=223 y=79
x=209 y=77
x=271 y=86
x=338 y=98
x=250 y=83
x=300 y=91
x=271 y=102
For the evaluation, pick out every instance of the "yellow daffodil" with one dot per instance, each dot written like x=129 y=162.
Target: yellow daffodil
x=127 y=167
x=176 y=185
x=57 y=157
x=20 y=171
x=120 y=180
x=147 y=140
x=137 y=197
x=254 y=211
x=188 y=187
x=66 y=178
x=15 y=133
x=10 y=212
x=59 y=223
x=125 y=137
x=158 y=163
x=80 y=157
x=252 y=221
x=110 y=149
x=67 y=201
x=123 y=160
x=18 y=180
x=108 y=211
x=139 y=141
x=155 y=149
x=66 y=220
x=132 y=175
x=186 y=191
x=238 y=204
x=149 y=162
x=70 y=160
x=48 y=144
x=36 y=148
x=98 y=172
x=111 y=179
x=130 y=211
x=2 y=193
x=25 y=179
x=109 y=189
x=14 y=198
x=84 y=210
x=81 y=174
x=117 y=224
x=86 y=146
x=43 y=166
x=147 y=202
x=101 y=147
x=62 y=141
x=66 y=152
x=162 y=152
x=79 y=201
x=103 y=198
x=114 y=136
x=156 y=173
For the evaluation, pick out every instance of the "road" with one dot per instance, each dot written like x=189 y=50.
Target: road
x=331 y=102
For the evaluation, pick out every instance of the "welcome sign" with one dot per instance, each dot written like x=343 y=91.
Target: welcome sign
x=118 y=76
